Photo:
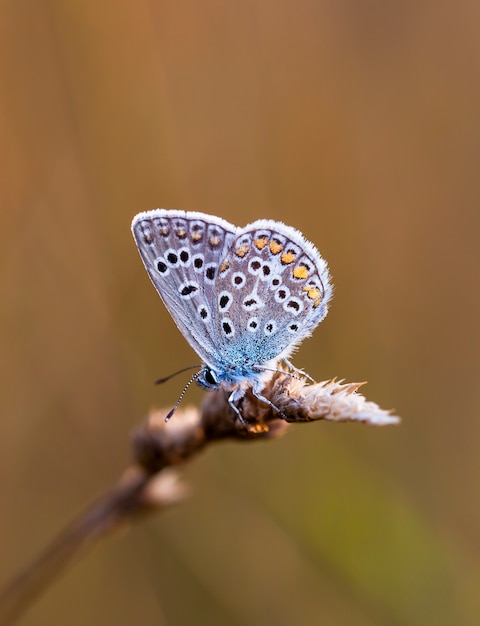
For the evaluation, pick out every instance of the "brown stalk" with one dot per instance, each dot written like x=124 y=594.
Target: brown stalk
x=149 y=485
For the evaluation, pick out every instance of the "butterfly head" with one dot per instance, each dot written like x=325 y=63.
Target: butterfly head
x=208 y=378
x=235 y=376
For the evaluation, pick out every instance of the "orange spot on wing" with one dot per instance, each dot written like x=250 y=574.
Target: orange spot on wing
x=312 y=292
x=261 y=242
x=288 y=257
x=241 y=251
x=275 y=247
x=300 y=272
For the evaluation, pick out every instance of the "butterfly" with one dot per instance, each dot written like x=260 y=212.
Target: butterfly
x=243 y=298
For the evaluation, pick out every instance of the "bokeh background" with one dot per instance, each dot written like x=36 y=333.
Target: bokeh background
x=356 y=122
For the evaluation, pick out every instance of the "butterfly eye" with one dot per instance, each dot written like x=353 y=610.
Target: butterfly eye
x=210 y=377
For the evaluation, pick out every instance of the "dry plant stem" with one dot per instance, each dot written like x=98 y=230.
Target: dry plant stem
x=99 y=519
x=157 y=446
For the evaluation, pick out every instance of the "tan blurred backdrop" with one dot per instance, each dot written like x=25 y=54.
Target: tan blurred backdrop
x=356 y=122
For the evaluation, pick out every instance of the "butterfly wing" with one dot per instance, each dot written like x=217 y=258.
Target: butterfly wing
x=182 y=253
x=272 y=290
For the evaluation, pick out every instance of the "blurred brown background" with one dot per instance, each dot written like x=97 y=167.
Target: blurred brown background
x=356 y=122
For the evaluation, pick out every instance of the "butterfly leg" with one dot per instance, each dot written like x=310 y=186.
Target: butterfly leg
x=297 y=371
x=237 y=394
x=232 y=398
x=256 y=392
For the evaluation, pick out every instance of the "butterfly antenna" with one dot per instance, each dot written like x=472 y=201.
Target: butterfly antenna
x=180 y=397
x=159 y=381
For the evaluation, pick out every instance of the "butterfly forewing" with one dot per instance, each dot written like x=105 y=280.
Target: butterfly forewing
x=182 y=254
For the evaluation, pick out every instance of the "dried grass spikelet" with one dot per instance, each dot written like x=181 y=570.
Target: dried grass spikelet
x=158 y=444
x=332 y=400
x=164 y=490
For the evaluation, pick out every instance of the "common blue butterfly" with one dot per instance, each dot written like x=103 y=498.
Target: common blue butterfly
x=244 y=298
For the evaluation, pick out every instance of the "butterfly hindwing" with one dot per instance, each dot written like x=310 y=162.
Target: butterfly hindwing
x=272 y=290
